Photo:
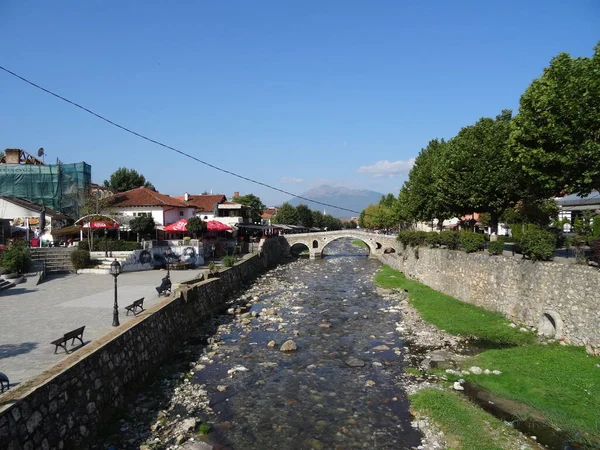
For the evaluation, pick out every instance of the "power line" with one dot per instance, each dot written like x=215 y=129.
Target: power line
x=154 y=141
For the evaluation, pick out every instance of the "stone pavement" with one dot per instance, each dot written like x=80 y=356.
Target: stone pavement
x=33 y=316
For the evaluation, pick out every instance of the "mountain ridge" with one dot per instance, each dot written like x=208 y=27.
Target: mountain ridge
x=353 y=199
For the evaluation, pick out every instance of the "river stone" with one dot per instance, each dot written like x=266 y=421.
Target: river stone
x=370 y=383
x=196 y=445
x=476 y=370
x=288 y=346
x=188 y=424
x=221 y=388
x=380 y=348
x=354 y=362
x=457 y=386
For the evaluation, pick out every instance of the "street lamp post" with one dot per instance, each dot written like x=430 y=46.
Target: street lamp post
x=168 y=256
x=115 y=271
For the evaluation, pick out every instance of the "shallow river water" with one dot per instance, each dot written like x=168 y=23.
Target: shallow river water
x=339 y=389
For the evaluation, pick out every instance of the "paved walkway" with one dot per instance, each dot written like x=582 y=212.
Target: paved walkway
x=33 y=316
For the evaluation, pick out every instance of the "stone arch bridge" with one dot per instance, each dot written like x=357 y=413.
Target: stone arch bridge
x=315 y=242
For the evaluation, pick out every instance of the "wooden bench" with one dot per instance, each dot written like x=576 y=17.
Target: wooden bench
x=135 y=306
x=62 y=342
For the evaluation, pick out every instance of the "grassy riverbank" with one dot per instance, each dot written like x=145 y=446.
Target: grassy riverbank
x=454 y=316
x=464 y=425
x=559 y=385
x=359 y=243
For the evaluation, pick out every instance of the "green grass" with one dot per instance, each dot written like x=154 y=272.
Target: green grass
x=560 y=382
x=456 y=317
x=465 y=425
x=359 y=243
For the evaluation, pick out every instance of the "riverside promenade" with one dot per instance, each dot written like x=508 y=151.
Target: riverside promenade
x=32 y=316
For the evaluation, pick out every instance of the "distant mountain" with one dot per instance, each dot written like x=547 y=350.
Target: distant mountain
x=354 y=199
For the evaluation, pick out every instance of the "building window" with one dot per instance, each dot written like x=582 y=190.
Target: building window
x=180 y=213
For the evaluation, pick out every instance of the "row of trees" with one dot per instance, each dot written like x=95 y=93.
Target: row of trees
x=302 y=215
x=510 y=165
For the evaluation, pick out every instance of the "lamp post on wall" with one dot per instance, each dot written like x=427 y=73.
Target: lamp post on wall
x=169 y=257
x=115 y=271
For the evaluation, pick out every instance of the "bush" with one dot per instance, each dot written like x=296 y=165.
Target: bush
x=496 y=247
x=538 y=245
x=449 y=238
x=80 y=259
x=16 y=257
x=433 y=239
x=228 y=261
x=103 y=244
x=471 y=242
x=595 y=251
x=413 y=238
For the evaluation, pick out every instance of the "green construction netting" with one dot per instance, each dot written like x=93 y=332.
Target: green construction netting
x=57 y=186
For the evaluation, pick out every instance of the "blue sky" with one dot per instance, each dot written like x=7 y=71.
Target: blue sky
x=293 y=94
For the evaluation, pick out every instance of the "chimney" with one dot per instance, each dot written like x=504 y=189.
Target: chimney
x=236 y=194
x=186 y=196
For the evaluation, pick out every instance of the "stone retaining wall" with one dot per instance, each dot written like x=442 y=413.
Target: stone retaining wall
x=64 y=407
x=560 y=299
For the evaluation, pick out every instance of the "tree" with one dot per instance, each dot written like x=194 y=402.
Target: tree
x=421 y=196
x=255 y=204
x=531 y=210
x=478 y=174
x=556 y=136
x=196 y=225
x=286 y=215
x=331 y=223
x=318 y=220
x=142 y=225
x=124 y=179
x=305 y=216
x=349 y=225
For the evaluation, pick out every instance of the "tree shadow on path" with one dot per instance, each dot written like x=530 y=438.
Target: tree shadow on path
x=7 y=350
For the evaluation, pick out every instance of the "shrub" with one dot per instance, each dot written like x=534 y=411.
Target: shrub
x=413 y=238
x=433 y=239
x=80 y=259
x=16 y=257
x=449 y=238
x=471 y=242
x=595 y=251
x=103 y=244
x=212 y=267
x=496 y=247
x=228 y=261
x=538 y=245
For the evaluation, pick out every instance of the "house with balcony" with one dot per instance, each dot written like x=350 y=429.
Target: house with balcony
x=205 y=204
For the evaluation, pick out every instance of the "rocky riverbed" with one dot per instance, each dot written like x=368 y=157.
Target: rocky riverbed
x=311 y=356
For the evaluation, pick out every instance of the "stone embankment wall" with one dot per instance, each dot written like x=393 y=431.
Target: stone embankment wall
x=64 y=407
x=561 y=300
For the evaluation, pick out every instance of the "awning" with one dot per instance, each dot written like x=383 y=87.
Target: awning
x=215 y=225
x=72 y=229
x=180 y=225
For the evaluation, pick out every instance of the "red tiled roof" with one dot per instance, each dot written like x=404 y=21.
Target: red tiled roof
x=268 y=213
x=204 y=203
x=143 y=196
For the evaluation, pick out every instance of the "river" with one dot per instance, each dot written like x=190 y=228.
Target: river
x=340 y=389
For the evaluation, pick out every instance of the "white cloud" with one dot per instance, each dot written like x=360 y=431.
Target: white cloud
x=290 y=180
x=387 y=168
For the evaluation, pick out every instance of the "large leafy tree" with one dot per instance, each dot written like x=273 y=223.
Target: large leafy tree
x=478 y=174
x=255 y=203
x=556 y=136
x=286 y=215
x=305 y=216
x=196 y=225
x=421 y=196
x=143 y=225
x=331 y=223
x=124 y=179
x=318 y=219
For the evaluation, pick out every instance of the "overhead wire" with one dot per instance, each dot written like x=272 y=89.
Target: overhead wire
x=154 y=141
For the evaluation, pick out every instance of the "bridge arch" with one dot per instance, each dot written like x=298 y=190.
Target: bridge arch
x=316 y=242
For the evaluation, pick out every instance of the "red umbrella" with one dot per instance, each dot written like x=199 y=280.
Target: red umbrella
x=180 y=225
x=215 y=225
